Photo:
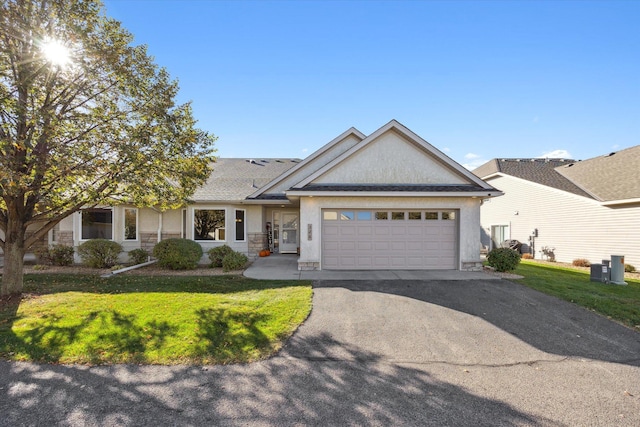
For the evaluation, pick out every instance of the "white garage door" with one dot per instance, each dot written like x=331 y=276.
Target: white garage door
x=394 y=239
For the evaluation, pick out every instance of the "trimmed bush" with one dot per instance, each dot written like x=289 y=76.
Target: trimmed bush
x=234 y=261
x=581 y=262
x=628 y=268
x=178 y=254
x=138 y=256
x=503 y=259
x=99 y=253
x=527 y=255
x=217 y=254
x=55 y=255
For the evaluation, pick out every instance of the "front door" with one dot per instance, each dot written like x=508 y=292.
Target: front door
x=289 y=232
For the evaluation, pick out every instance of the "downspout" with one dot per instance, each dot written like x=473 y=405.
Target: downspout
x=159 y=224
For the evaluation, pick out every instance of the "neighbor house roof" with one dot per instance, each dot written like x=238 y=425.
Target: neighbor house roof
x=612 y=179
x=614 y=176
x=541 y=171
x=235 y=179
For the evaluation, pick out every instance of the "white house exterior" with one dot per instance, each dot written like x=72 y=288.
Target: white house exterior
x=389 y=200
x=588 y=209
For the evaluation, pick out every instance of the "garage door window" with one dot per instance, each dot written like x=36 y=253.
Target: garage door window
x=382 y=216
x=413 y=216
x=397 y=216
x=430 y=216
x=364 y=216
x=449 y=215
x=346 y=216
x=330 y=216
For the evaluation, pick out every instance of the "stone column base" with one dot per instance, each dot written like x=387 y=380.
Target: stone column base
x=308 y=265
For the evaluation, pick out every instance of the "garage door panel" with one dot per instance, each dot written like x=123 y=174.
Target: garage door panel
x=389 y=244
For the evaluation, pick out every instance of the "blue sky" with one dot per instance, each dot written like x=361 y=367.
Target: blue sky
x=477 y=79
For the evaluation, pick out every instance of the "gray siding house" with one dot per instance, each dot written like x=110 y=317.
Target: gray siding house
x=577 y=209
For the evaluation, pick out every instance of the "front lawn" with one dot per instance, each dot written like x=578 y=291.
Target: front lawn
x=156 y=320
x=621 y=303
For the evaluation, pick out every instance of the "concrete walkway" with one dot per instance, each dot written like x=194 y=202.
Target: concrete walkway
x=285 y=267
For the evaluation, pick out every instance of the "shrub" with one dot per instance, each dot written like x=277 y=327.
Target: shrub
x=178 y=254
x=55 y=255
x=503 y=259
x=581 y=262
x=628 y=268
x=217 y=254
x=527 y=255
x=99 y=253
x=117 y=267
x=138 y=256
x=234 y=261
x=40 y=267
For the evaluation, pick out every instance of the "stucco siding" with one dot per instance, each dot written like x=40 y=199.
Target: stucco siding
x=390 y=159
x=315 y=164
x=577 y=227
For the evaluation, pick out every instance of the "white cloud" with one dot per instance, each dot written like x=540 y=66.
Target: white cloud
x=474 y=163
x=556 y=154
x=304 y=150
x=446 y=149
x=470 y=156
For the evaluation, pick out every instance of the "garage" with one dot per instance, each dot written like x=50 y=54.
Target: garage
x=365 y=239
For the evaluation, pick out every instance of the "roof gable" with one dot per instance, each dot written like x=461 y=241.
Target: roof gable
x=392 y=155
x=540 y=171
x=311 y=164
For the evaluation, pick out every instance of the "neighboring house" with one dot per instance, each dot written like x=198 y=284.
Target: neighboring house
x=579 y=209
x=389 y=200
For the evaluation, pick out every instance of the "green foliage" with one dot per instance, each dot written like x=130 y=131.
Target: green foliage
x=621 y=303
x=503 y=259
x=217 y=254
x=103 y=126
x=55 y=255
x=178 y=254
x=138 y=256
x=155 y=320
x=628 y=268
x=581 y=262
x=234 y=261
x=99 y=253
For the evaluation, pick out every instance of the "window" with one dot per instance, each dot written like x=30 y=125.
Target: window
x=449 y=215
x=346 y=216
x=130 y=224
x=363 y=216
x=97 y=224
x=330 y=215
x=431 y=216
x=397 y=216
x=240 y=225
x=183 y=233
x=415 y=216
x=209 y=224
x=382 y=215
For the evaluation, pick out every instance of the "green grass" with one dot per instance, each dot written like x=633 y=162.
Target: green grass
x=620 y=303
x=155 y=320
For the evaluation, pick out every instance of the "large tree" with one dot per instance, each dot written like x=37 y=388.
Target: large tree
x=86 y=118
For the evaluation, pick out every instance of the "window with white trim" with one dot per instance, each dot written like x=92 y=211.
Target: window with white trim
x=97 y=223
x=240 y=225
x=130 y=224
x=209 y=224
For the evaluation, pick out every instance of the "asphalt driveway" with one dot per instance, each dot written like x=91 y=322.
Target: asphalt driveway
x=482 y=352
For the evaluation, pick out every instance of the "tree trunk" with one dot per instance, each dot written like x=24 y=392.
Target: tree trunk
x=13 y=269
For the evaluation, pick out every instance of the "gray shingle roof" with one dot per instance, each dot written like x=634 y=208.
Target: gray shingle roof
x=235 y=179
x=615 y=176
x=541 y=171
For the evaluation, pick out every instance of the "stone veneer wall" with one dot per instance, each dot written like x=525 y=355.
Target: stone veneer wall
x=65 y=238
x=257 y=242
x=148 y=241
x=471 y=266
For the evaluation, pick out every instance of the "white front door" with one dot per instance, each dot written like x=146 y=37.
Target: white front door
x=289 y=232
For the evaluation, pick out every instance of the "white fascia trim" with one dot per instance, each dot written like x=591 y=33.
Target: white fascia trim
x=309 y=158
x=621 y=202
x=398 y=127
x=478 y=194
